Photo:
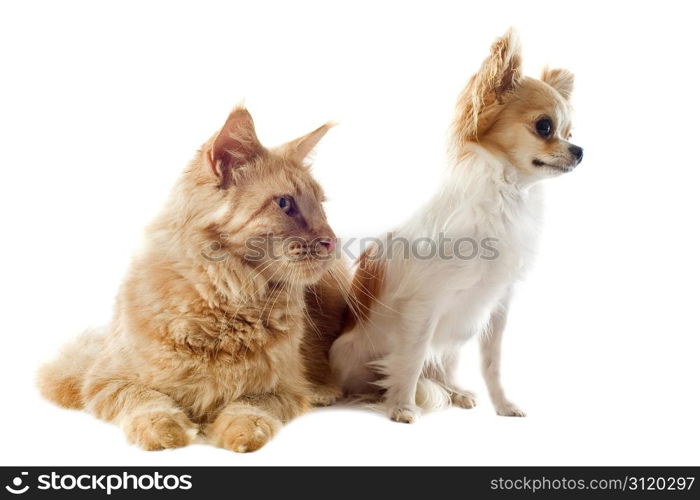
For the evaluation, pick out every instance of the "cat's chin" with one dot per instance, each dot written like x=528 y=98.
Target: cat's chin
x=309 y=271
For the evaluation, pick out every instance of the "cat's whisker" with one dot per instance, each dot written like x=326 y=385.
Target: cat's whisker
x=309 y=319
x=280 y=286
x=242 y=302
x=373 y=298
x=352 y=306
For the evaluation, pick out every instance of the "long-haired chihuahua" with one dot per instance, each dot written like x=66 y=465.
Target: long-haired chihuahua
x=411 y=312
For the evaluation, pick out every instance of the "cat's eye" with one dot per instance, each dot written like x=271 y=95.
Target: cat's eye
x=543 y=126
x=286 y=204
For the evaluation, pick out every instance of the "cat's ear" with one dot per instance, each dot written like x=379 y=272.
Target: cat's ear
x=235 y=145
x=301 y=147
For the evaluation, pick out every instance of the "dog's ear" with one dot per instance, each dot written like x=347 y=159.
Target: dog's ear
x=500 y=74
x=561 y=80
x=235 y=145
x=502 y=70
x=301 y=147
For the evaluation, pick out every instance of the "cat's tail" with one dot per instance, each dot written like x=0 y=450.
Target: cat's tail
x=430 y=395
x=61 y=380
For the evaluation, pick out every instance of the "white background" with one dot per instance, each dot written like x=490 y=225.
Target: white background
x=101 y=106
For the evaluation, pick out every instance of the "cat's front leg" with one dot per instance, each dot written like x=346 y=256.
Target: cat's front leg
x=150 y=419
x=248 y=423
x=241 y=427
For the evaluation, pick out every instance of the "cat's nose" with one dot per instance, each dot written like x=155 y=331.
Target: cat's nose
x=327 y=243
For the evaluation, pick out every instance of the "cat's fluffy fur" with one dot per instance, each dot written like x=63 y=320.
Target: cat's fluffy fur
x=412 y=315
x=206 y=339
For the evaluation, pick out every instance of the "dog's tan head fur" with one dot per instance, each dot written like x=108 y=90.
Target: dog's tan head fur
x=247 y=205
x=524 y=121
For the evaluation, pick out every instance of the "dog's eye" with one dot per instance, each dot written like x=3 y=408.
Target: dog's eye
x=544 y=127
x=286 y=204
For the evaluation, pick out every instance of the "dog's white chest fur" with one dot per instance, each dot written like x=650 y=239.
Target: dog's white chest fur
x=482 y=228
x=502 y=220
x=487 y=229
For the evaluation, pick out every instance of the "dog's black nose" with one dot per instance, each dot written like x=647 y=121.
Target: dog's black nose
x=577 y=152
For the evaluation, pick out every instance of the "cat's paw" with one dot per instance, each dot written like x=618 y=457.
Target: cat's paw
x=325 y=395
x=159 y=430
x=404 y=413
x=463 y=399
x=508 y=409
x=243 y=431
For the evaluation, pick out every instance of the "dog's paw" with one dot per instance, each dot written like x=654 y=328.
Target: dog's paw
x=325 y=395
x=160 y=430
x=243 y=431
x=508 y=409
x=463 y=399
x=404 y=413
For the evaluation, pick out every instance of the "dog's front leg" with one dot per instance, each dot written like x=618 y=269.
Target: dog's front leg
x=402 y=368
x=491 y=361
x=446 y=378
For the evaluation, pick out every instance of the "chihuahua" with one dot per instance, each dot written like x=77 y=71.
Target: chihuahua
x=410 y=315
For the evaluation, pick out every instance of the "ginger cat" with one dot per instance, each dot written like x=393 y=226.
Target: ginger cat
x=208 y=339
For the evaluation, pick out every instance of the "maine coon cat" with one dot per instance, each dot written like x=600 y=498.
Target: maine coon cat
x=412 y=314
x=211 y=320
